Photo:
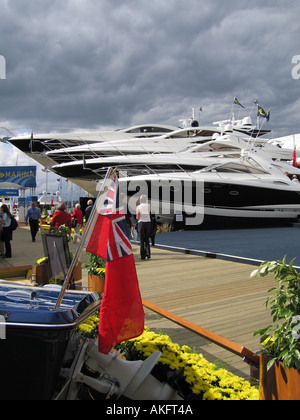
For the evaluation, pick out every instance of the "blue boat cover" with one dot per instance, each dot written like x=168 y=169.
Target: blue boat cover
x=32 y=305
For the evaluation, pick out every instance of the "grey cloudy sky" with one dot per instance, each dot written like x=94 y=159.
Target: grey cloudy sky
x=113 y=63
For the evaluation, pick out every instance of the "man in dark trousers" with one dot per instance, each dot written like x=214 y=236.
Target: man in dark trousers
x=88 y=210
x=34 y=215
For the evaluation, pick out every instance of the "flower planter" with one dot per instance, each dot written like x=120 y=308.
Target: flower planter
x=41 y=274
x=96 y=284
x=277 y=383
x=77 y=273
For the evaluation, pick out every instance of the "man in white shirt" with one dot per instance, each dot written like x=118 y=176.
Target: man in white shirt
x=143 y=216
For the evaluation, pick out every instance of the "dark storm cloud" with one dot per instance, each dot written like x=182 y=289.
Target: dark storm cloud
x=85 y=63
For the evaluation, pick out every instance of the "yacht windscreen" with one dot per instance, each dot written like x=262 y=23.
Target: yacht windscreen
x=190 y=133
x=149 y=129
x=235 y=168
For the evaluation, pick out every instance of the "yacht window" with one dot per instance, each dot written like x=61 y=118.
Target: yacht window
x=281 y=183
x=219 y=148
x=235 y=167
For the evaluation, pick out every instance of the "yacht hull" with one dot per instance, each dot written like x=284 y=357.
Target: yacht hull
x=197 y=203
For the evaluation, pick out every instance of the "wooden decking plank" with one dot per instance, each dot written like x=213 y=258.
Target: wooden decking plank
x=214 y=294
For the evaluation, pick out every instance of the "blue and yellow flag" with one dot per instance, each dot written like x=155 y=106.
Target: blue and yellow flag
x=236 y=101
x=262 y=113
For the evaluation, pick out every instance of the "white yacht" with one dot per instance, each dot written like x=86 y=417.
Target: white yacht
x=238 y=173
x=171 y=142
x=49 y=149
x=289 y=143
x=233 y=183
x=226 y=191
x=162 y=154
x=36 y=145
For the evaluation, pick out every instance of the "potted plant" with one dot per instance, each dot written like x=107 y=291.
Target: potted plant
x=96 y=272
x=44 y=213
x=280 y=355
x=64 y=231
x=41 y=271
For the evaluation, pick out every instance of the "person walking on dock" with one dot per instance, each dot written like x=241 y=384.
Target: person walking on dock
x=61 y=217
x=6 y=234
x=34 y=216
x=77 y=222
x=143 y=216
x=88 y=210
x=1 y=243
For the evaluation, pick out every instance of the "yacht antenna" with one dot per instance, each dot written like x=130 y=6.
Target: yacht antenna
x=255 y=102
x=231 y=112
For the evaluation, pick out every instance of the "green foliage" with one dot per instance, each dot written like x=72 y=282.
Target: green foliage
x=95 y=265
x=64 y=231
x=280 y=340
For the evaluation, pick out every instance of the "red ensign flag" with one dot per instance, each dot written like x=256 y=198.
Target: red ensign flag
x=121 y=312
x=295 y=163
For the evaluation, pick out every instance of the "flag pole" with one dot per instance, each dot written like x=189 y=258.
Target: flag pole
x=93 y=215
